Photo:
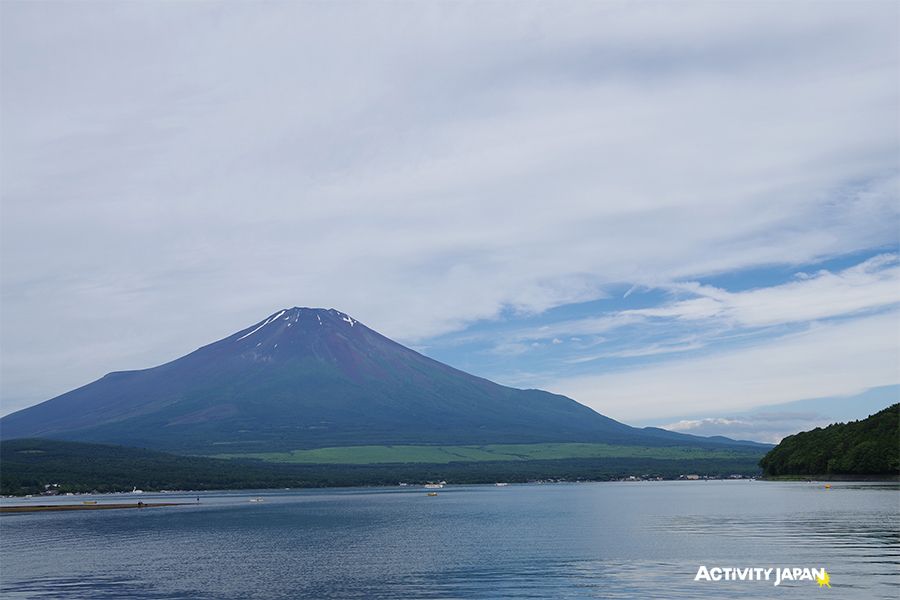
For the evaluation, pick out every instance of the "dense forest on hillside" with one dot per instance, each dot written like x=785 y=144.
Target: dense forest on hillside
x=867 y=447
x=27 y=465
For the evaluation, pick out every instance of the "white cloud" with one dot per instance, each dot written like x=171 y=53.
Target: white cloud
x=648 y=350
x=172 y=172
x=585 y=327
x=693 y=424
x=826 y=360
x=717 y=314
x=768 y=428
x=773 y=423
x=872 y=284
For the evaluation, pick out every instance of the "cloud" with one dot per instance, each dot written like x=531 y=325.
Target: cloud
x=714 y=315
x=648 y=350
x=173 y=172
x=694 y=424
x=760 y=427
x=591 y=326
x=775 y=422
x=872 y=284
x=840 y=358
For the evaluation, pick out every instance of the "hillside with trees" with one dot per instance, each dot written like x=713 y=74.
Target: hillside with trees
x=869 y=447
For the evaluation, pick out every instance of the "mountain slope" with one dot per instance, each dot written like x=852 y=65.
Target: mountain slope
x=306 y=378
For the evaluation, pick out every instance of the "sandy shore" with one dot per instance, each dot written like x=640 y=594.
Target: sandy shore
x=57 y=507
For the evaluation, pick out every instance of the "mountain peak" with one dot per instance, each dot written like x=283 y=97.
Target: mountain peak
x=312 y=377
x=297 y=312
x=298 y=315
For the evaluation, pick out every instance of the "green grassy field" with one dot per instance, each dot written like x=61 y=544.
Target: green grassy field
x=368 y=455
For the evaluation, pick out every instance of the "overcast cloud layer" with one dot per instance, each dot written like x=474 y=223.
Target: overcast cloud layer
x=173 y=172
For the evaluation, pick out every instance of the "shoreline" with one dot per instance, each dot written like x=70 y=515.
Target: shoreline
x=68 y=507
x=415 y=485
x=833 y=477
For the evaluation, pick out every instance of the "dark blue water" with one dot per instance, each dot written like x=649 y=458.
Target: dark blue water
x=604 y=540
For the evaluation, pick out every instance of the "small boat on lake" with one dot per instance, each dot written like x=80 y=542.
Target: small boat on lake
x=432 y=493
x=257 y=499
x=433 y=486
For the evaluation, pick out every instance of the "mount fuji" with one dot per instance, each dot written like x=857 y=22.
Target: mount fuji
x=309 y=378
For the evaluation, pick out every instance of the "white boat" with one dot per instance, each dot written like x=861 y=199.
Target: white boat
x=499 y=484
x=433 y=486
x=257 y=499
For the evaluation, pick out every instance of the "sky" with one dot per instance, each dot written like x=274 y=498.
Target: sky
x=682 y=215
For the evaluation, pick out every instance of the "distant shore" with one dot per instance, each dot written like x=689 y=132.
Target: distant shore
x=832 y=477
x=61 y=507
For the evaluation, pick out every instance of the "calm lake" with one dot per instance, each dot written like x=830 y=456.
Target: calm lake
x=591 y=540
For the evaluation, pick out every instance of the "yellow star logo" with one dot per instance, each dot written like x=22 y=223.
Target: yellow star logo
x=824 y=580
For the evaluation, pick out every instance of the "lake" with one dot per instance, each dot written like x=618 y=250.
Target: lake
x=589 y=540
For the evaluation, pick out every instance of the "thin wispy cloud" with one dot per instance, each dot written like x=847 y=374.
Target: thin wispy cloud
x=714 y=314
x=648 y=350
x=870 y=285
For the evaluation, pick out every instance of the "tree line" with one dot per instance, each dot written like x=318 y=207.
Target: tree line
x=28 y=465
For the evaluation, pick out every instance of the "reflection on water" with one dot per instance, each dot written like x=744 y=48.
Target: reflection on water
x=608 y=540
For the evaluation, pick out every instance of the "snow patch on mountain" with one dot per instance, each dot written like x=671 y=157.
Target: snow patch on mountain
x=269 y=320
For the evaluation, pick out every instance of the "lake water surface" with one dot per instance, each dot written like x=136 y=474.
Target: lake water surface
x=591 y=540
